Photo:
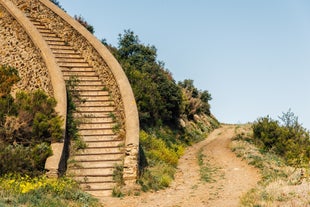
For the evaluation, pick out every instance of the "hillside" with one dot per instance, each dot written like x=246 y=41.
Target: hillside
x=172 y=115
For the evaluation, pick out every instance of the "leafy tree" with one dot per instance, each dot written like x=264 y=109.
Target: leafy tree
x=194 y=100
x=157 y=95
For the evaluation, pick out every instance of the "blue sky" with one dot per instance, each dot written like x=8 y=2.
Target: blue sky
x=252 y=55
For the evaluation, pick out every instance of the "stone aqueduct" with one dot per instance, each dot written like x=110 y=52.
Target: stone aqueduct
x=48 y=47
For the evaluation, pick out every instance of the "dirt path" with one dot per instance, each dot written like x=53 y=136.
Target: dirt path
x=230 y=178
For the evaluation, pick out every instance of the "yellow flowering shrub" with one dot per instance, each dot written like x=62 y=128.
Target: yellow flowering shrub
x=25 y=184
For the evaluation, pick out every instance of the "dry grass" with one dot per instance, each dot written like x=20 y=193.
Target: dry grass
x=281 y=185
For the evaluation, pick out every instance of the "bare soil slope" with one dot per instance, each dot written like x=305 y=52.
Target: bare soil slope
x=229 y=177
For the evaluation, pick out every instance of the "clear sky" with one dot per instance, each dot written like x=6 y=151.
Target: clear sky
x=253 y=56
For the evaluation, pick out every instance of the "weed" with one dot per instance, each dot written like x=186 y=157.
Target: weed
x=207 y=171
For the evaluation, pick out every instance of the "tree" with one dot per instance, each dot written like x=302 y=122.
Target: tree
x=158 y=96
x=194 y=100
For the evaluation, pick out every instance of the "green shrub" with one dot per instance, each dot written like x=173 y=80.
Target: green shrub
x=287 y=139
x=157 y=150
x=8 y=77
x=17 y=190
x=28 y=124
x=157 y=177
x=35 y=120
x=22 y=159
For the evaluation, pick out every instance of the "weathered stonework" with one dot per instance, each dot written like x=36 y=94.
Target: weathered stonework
x=130 y=164
x=18 y=51
x=37 y=10
x=23 y=45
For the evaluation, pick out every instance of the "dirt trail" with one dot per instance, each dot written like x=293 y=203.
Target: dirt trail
x=231 y=178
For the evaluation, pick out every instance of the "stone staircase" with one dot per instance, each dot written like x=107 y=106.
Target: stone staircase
x=93 y=166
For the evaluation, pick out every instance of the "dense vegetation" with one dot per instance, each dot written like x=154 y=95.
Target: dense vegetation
x=28 y=124
x=172 y=115
x=286 y=138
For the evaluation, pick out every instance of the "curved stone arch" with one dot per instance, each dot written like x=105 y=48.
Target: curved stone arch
x=126 y=93
x=58 y=83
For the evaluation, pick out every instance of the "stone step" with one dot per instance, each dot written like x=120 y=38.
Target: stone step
x=98 y=186
x=89 y=97
x=77 y=70
x=78 y=78
x=101 y=117
x=67 y=55
x=56 y=42
x=76 y=58
x=96 y=120
x=100 y=138
x=99 y=164
x=48 y=34
x=92 y=93
x=98 y=157
x=105 y=144
x=35 y=22
x=98 y=131
x=79 y=73
x=96 y=125
x=53 y=38
x=103 y=150
x=89 y=103
x=60 y=47
x=98 y=87
x=85 y=115
x=94 y=179
x=100 y=194
x=44 y=30
x=89 y=83
x=92 y=109
x=39 y=26
x=85 y=78
x=91 y=171
x=73 y=64
x=63 y=52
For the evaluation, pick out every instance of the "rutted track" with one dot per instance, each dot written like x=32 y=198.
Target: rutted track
x=233 y=177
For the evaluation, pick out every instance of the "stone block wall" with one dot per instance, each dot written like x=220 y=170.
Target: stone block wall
x=17 y=50
x=37 y=10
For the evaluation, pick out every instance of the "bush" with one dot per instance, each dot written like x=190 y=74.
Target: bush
x=287 y=139
x=17 y=190
x=157 y=95
x=28 y=124
x=158 y=151
x=25 y=160
x=162 y=154
x=35 y=120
